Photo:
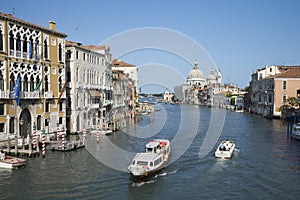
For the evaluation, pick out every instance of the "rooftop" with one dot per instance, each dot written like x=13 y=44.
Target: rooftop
x=120 y=63
x=14 y=19
x=288 y=72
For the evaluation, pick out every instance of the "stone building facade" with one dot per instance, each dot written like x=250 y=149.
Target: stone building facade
x=89 y=89
x=31 y=57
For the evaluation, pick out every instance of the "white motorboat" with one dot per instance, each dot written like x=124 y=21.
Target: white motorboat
x=225 y=149
x=296 y=131
x=155 y=158
x=106 y=132
x=10 y=162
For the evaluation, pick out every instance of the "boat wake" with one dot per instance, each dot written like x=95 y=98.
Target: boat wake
x=153 y=179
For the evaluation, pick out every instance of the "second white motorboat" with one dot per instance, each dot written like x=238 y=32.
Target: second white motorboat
x=225 y=149
x=155 y=158
x=296 y=131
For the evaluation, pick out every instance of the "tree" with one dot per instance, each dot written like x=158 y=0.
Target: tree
x=293 y=101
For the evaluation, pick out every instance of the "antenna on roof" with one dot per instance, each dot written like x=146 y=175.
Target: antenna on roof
x=13 y=11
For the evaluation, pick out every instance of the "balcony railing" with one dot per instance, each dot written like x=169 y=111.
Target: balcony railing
x=30 y=95
x=4 y=94
x=48 y=94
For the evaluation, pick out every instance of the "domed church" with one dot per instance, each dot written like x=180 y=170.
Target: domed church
x=195 y=77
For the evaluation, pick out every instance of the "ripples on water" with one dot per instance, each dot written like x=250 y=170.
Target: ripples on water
x=265 y=165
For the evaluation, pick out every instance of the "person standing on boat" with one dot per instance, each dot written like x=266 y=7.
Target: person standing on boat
x=222 y=147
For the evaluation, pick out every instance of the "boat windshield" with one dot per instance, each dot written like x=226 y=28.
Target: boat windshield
x=149 y=150
x=142 y=163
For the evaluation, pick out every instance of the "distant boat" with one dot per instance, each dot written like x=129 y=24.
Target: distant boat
x=225 y=149
x=10 y=162
x=69 y=145
x=296 y=131
x=155 y=158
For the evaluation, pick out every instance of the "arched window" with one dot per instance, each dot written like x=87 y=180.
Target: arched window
x=30 y=48
x=11 y=41
x=46 y=84
x=25 y=84
x=25 y=44
x=59 y=53
x=18 y=42
x=12 y=82
x=45 y=49
x=1 y=81
x=1 y=41
x=31 y=83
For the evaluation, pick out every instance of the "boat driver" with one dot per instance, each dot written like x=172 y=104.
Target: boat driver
x=222 y=147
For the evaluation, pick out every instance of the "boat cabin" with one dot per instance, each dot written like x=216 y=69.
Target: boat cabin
x=152 y=147
x=147 y=160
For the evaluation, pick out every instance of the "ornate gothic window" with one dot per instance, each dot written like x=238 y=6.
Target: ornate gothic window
x=11 y=41
x=59 y=53
x=31 y=83
x=1 y=41
x=25 y=84
x=30 y=48
x=1 y=81
x=25 y=44
x=12 y=82
x=46 y=84
x=18 y=42
x=45 y=49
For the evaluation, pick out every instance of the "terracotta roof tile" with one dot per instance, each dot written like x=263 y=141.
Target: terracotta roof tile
x=93 y=47
x=289 y=72
x=120 y=63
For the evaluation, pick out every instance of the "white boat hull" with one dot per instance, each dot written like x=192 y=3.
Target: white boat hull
x=228 y=152
x=295 y=135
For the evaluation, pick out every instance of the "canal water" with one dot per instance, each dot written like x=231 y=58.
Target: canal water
x=265 y=165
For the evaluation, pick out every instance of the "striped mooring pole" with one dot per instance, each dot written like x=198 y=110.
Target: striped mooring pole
x=34 y=137
x=63 y=139
x=98 y=134
x=43 y=144
x=57 y=131
x=84 y=134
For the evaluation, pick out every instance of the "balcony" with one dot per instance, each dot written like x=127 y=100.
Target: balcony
x=48 y=95
x=4 y=94
x=30 y=95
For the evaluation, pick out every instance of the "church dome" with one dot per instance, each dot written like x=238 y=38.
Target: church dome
x=195 y=73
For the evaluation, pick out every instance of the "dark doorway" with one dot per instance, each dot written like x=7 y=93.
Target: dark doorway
x=25 y=123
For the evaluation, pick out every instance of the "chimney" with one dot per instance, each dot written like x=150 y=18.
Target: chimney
x=52 y=25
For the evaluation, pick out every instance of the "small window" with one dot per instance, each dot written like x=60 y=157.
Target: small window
x=77 y=55
x=284 y=99
x=47 y=106
x=60 y=106
x=151 y=164
x=46 y=122
x=60 y=120
x=38 y=122
x=2 y=111
x=284 y=85
x=53 y=70
x=12 y=125
x=2 y=125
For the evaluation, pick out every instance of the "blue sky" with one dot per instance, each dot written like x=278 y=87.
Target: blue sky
x=239 y=36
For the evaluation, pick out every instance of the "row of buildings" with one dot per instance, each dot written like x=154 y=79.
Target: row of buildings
x=208 y=92
x=47 y=82
x=269 y=90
